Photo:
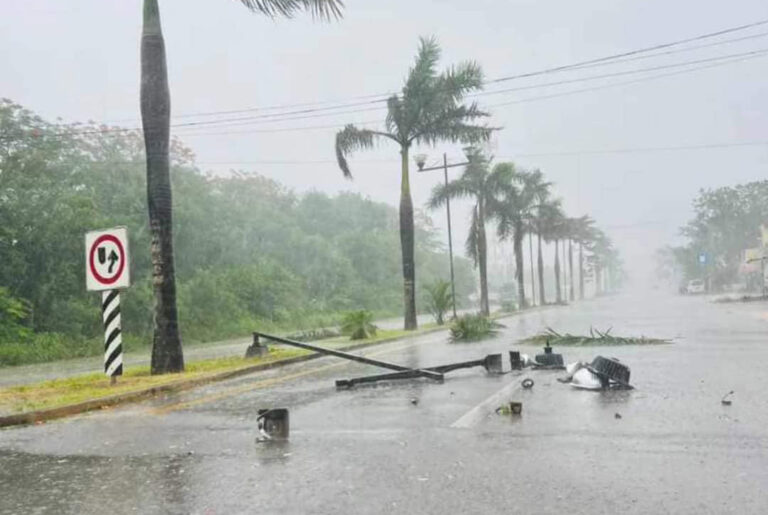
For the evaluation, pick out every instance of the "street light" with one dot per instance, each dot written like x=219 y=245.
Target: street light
x=421 y=160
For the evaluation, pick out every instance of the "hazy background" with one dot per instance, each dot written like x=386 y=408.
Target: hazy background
x=79 y=60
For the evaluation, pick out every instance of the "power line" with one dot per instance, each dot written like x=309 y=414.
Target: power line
x=623 y=83
x=633 y=52
x=703 y=146
x=251 y=120
x=377 y=98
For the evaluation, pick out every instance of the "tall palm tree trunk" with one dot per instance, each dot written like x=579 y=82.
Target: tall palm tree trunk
x=540 y=264
x=558 y=290
x=519 y=275
x=581 y=271
x=565 y=274
x=571 y=293
x=533 y=275
x=482 y=258
x=167 y=355
x=406 y=244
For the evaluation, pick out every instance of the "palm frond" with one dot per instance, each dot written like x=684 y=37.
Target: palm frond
x=470 y=246
x=459 y=80
x=455 y=189
x=323 y=9
x=350 y=139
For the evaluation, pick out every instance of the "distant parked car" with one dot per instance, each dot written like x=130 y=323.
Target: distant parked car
x=695 y=286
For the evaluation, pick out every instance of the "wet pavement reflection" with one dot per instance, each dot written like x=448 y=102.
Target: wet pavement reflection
x=673 y=448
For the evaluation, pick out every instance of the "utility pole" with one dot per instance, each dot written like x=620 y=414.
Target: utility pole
x=420 y=161
x=450 y=237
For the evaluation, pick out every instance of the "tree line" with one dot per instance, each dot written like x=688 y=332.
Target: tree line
x=248 y=252
x=725 y=224
x=430 y=109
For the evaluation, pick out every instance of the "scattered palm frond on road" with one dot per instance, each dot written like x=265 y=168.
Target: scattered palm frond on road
x=595 y=337
x=743 y=298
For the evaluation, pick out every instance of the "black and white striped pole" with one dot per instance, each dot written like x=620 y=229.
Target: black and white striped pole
x=113 y=340
x=107 y=271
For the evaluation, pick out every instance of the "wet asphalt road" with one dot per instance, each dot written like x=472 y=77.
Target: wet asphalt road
x=675 y=449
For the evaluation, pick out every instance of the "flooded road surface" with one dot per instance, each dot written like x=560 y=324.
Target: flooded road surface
x=396 y=448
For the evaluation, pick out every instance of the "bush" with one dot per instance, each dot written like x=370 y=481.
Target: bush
x=359 y=325
x=439 y=299
x=473 y=328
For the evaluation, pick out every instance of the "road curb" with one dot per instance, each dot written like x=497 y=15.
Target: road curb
x=34 y=417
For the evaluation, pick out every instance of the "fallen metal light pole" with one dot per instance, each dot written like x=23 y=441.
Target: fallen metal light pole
x=491 y=363
x=416 y=372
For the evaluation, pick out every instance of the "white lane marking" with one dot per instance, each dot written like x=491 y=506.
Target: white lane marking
x=482 y=410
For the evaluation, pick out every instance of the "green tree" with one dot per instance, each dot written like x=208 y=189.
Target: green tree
x=485 y=187
x=167 y=355
x=428 y=110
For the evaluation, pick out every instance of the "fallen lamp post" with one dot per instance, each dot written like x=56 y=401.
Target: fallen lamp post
x=435 y=376
x=492 y=363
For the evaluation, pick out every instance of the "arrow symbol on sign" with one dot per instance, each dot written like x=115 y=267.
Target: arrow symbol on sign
x=113 y=257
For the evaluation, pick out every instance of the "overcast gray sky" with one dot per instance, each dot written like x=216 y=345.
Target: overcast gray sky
x=79 y=60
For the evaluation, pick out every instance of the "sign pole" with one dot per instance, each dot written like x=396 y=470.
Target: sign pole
x=107 y=270
x=113 y=340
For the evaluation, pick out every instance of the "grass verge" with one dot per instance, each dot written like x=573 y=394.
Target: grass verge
x=58 y=393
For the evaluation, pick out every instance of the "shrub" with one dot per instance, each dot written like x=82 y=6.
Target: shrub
x=358 y=325
x=473 y=328
x=439 y=299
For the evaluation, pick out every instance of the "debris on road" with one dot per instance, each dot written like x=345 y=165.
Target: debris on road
x=527 y=383
x=601 y=374
x=549 y=360
x=617 y=416
x=273 y=424
x=595 y=338
x=491 y=363
x=511 y=408
x=725 y=401
x=257 y=348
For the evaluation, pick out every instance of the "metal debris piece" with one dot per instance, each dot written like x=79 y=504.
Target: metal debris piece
x=257 y=348
x=491 y=363
x=273 y=424
x=527 y=383
x=549 y=360
x=437 y=376
x=515 y=361
x=511 y=408
x=612 y=373
x=726 y=402
x=617 y=416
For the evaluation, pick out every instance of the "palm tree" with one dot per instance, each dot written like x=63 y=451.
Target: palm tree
x=583 y=232
x=167 y=355
x=514 y=220
x=600 y=248
x=547 y=214
x=543 y=206
x=539 y=189
x=552 y=231
x=428 y=110
x=485 y=187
